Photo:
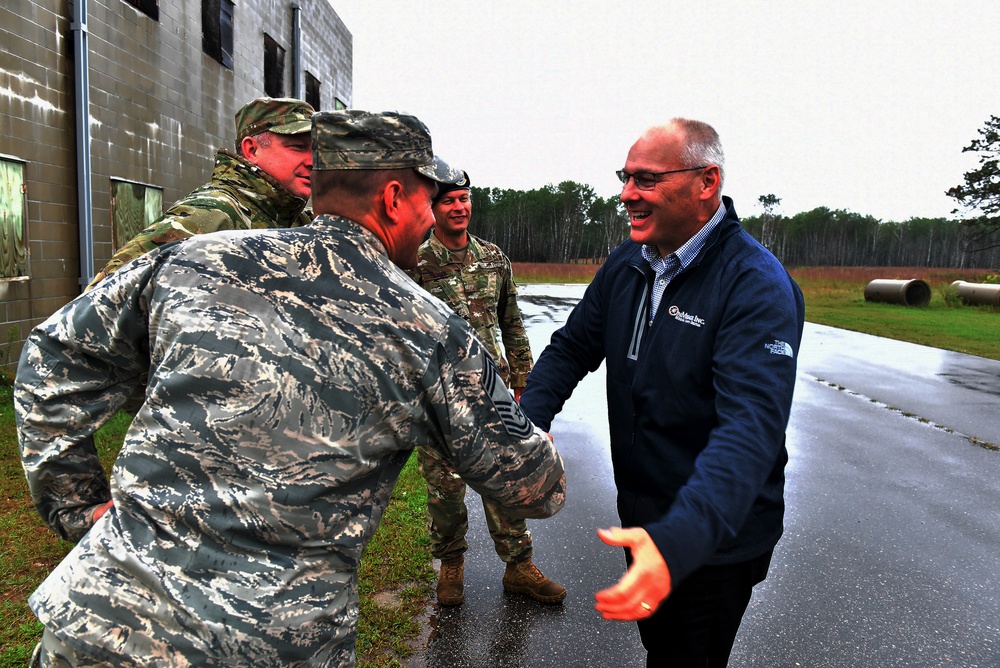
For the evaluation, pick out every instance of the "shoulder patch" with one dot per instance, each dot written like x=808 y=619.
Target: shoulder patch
x=514 y=421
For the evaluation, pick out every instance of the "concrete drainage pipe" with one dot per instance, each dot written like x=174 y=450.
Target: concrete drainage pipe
x=978 y=293
x=913 y=292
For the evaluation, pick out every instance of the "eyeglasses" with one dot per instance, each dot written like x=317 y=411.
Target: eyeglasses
x=648 y=180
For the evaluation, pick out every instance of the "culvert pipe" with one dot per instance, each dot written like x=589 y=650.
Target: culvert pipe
x=977 y=294
x=912 y=292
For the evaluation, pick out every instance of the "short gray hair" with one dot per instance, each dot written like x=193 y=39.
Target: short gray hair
x=701 y=146
x=263 y=138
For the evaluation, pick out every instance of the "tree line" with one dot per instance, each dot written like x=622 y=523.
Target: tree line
x=564 y=223
x=825 y=237
x=570 y=223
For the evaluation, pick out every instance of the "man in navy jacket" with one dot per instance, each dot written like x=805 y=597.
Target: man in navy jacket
x=699 y=327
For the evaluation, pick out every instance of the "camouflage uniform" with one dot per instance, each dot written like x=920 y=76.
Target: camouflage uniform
x=240 y=196
x=481 y=289
x=290 y=374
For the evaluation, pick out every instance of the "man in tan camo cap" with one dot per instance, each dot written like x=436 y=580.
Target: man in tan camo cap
x=283 y=116
x=264 y=184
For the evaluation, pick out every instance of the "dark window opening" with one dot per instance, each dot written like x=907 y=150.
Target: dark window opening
x=217 y=30
x=312 y=91
x=150 y=8
x=274 y=68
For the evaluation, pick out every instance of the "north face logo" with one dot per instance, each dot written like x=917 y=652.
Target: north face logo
x=779 y=348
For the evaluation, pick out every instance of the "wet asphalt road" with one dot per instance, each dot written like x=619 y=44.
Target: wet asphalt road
x=891 y=552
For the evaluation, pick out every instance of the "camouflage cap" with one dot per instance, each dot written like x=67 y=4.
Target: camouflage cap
x=284 y=115
x=356 y=139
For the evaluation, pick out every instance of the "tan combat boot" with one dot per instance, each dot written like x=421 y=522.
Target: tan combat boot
x=450 y=590
x=523 y=577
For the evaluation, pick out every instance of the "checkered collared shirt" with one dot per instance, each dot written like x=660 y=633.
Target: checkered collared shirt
x=666 y=268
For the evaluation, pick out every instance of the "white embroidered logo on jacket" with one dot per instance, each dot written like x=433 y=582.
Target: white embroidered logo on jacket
x=779 y=348
x=681 y=316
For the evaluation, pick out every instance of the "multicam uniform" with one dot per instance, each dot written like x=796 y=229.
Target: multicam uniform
x=481 y=289
x=240 y=196
x=291 y=373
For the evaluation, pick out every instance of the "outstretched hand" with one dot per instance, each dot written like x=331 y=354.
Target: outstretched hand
x=647 y=580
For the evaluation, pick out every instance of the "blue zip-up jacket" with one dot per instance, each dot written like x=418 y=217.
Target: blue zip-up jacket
x=698 y=400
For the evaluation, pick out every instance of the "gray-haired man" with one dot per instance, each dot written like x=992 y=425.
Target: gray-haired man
x=264 y=184
x=291 y=373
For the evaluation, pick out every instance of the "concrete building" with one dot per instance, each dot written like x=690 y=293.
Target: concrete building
x=110 y=110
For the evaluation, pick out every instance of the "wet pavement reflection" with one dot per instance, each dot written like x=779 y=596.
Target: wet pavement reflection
x=493 y=628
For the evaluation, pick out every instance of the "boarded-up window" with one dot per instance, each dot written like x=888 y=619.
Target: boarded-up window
x=13 y=235
x=133 y=207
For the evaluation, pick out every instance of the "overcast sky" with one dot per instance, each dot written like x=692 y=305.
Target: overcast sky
x=859 y=105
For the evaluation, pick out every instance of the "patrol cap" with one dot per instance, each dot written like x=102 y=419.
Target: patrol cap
x=356 y=139
x=444 y=188
x=283 y=115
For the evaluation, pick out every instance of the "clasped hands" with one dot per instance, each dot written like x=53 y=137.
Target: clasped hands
x=103 y=508
x=644 y=586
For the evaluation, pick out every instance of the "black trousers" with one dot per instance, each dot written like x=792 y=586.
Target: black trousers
x=696 y=626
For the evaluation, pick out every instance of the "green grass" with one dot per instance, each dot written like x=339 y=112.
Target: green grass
x=975 y=331
x=396 y=577
x=835 y=296
x=28 y=549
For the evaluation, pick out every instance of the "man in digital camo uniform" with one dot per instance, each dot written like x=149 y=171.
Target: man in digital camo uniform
x=266 y=185
x=474 y=277
x=292 y=372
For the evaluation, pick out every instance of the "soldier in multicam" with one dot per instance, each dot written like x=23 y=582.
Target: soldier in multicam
x=292 y=372
x=474 y=277
x=266 y=185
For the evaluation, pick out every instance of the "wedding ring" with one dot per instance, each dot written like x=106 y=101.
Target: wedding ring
x=646 y=606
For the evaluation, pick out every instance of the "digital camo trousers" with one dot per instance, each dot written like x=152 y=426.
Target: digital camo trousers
x=448 y=517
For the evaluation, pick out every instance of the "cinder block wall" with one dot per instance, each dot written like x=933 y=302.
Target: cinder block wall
x=159 y=110
x=36 y=127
